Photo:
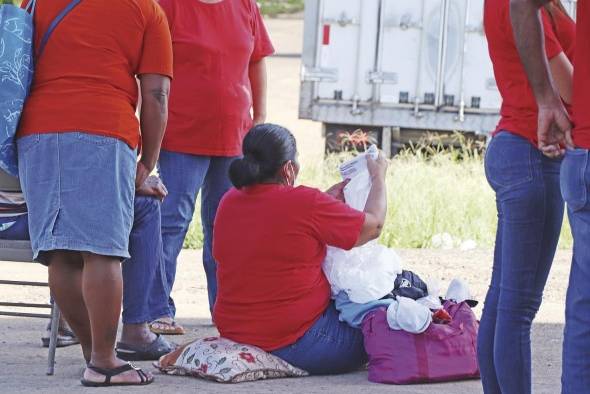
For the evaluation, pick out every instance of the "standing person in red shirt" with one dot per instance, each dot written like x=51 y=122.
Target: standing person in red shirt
x=270 y=241
x=554 y=132
x=78 y=161
x=529 y=202
x=220 y=76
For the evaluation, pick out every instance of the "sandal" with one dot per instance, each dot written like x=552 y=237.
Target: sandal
x=166 y=328
x=110 y=373
x=152 y=351
x=65 y=338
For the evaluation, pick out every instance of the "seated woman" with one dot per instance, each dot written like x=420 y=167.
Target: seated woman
x=270 y=239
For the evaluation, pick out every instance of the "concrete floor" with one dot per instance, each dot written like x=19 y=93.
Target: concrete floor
x=24 y=361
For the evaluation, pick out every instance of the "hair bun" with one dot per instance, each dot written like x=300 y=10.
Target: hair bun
x=266 y=148
x=244 y=172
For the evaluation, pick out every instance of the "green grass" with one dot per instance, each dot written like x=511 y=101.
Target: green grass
x=430 y=191
x=276 y=7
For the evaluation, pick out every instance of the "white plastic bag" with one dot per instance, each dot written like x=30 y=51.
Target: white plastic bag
x=357 y=191
x=366 y=273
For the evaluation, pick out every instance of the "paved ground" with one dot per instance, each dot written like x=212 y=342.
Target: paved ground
x=23 y=361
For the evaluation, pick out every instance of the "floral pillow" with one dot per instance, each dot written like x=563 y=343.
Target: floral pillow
x=225 y=361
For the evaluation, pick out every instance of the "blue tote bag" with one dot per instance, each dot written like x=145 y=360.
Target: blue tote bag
x=16 y=72
x=16 y=75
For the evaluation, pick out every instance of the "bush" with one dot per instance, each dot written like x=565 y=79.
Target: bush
x=275 y=7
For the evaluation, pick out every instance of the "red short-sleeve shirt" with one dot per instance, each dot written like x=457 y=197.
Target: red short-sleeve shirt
x=85 y=79
x=581 y=102
x=270 y=242
x=211 y=97
x=519 y=109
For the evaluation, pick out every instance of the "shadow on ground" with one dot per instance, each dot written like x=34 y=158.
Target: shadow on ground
x=24 y=363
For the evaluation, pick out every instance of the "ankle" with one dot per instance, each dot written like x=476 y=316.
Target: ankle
x=105 y=360
x=135 y=334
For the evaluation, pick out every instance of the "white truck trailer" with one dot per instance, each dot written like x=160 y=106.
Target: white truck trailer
x=397 y=69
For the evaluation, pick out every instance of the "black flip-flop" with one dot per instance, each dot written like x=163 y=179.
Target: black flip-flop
x=110 y=373
x=151 y=352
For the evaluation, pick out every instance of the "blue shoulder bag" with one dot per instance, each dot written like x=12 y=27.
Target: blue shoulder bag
x=16 y=71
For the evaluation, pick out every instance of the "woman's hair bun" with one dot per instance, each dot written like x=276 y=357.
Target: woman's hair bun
x=244 y=172
x=266 y=148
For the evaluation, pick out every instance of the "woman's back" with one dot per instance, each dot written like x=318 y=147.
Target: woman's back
x=85 y=79
x=270 y=241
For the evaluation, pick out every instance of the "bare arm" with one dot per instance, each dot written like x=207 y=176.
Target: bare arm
x=155 y=89
x=257 y=75
x=553 y=125
x=376 y=207
x=562 y=72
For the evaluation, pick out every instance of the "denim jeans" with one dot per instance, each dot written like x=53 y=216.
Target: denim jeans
x=145 y=290
x=15 y=228
x=575 y=186
x=184 y=175
x=530 y=216
x=328 y=347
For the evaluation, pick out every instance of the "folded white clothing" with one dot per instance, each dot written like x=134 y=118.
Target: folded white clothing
x=408 y=315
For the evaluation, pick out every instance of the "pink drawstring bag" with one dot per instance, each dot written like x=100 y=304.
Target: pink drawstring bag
x=444 y=352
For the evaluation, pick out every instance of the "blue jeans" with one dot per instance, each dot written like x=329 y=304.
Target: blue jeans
x=575 y=186
x=328 y=347
x=184 y=175
x=530 y=215
x=145 y=290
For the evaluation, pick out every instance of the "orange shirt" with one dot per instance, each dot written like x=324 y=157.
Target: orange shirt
x=85 y=79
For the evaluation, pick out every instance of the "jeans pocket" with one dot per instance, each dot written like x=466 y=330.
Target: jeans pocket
x=509 y=161
x=573 y=179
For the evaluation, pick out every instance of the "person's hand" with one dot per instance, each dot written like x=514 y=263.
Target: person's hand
x=377 y=168
x=554 y=129
x=141 y=174
x=153 y=187
x=337 y=191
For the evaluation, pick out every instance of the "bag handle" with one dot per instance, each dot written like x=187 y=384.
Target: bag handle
x=31 y=7
x=54 y=24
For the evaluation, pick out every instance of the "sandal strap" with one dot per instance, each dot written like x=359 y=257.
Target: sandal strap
x=163 y=322
x=142 y=375
x=68 y=333
x=109 y=373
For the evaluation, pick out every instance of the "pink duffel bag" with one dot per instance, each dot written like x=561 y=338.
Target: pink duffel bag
x=444 y=352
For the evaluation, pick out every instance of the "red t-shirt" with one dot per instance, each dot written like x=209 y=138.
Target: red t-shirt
x=581 y=100
x=211 y=97
x=85 y=80
x=519 y=110
x=270 y=242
